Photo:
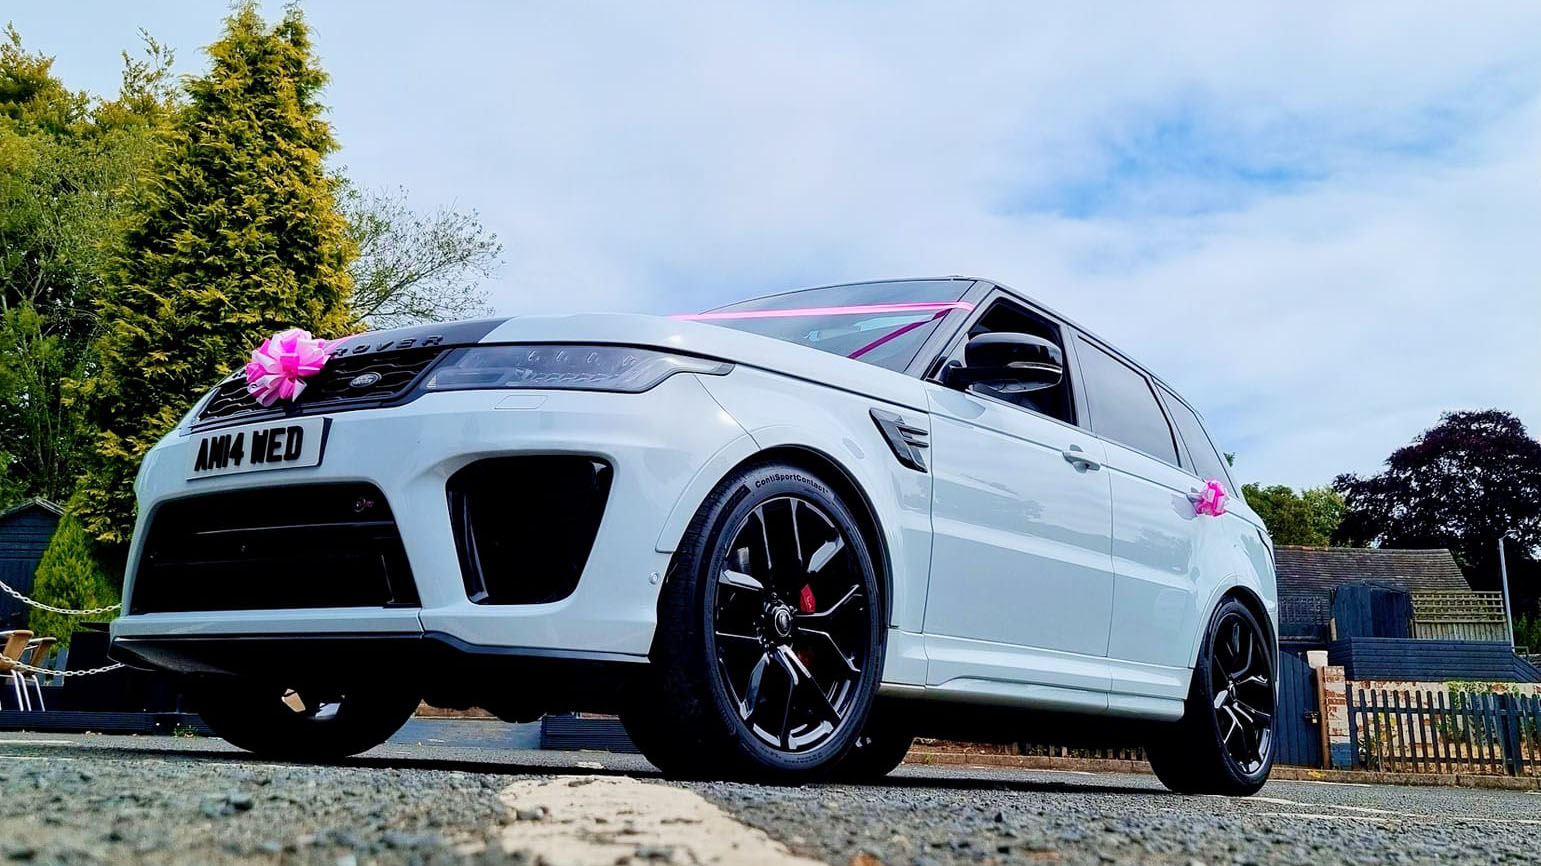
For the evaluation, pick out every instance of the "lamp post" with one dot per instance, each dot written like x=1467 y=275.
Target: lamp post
x=1503 y=583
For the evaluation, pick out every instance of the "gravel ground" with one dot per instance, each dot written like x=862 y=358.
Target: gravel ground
x=109 y=800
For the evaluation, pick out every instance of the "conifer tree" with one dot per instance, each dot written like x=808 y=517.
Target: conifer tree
x=70 y=576
x=237 y=236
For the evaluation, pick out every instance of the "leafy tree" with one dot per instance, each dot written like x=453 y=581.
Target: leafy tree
x=42 y=426
x=1283 y=512
x=1527 y=631
x=238 y=236
x=11 y=490
x=69 y=165
x=1460 y=485
x=31 y=97
x=416 y=267
x=1308 y=517
x=1326 y=508
x=70 y=576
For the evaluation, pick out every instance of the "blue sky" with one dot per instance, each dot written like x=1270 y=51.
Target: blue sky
x=1318 y=221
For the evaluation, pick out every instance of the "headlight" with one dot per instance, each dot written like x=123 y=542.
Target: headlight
x=584 y=368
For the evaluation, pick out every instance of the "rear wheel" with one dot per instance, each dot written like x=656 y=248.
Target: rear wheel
x=1224 y=743
x=770 y=634
x=879 y=750
x=308 y=724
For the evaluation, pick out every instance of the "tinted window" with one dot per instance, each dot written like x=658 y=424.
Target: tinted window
x=1206 y=461
x=1123 y=408
x=881 y=323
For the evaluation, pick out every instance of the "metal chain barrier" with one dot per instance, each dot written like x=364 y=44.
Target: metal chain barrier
x=9 y=665
x=6 y=588
x=47 y=672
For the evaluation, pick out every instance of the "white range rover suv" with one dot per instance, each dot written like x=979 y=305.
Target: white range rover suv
x=779 y=539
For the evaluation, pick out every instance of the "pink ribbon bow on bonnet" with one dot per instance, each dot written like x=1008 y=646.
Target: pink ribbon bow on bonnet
x=279 y=366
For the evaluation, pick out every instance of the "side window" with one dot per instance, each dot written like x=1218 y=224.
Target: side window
x=1122 y=405
x=1004 y=316
x=1206 y=460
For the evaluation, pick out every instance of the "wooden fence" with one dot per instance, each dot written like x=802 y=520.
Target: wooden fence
x=1459 y=616
x=1436 y=732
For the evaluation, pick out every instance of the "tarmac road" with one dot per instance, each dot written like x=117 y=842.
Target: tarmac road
x=467 y=798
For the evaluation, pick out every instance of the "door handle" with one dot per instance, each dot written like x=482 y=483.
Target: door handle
x=1076 y=457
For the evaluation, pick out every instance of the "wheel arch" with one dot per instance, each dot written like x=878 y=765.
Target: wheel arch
x=1255 y=606
x=846 y=486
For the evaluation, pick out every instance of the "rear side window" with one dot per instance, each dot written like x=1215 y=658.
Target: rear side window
x=1122 y=405
x=1206 y=460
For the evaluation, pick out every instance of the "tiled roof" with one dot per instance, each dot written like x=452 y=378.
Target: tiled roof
x=1308 y=575
x=1317 y=570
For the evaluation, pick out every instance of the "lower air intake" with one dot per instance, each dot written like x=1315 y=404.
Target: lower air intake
x=313 y=545
x=524 y=526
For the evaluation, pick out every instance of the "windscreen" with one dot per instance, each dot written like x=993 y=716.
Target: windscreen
x=881 y=323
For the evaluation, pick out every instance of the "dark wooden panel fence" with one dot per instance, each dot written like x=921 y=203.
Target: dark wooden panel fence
x=1436 y=732
x=1380 y=658
x=1297 y=723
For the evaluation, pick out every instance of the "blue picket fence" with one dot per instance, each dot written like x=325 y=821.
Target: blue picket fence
x=1439 y=732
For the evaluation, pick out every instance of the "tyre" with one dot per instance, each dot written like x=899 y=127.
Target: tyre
x=302 y=725
x=1224 y=743
x=880 y=748
x=770 y=635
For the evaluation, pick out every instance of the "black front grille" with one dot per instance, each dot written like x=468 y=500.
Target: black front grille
x=314 y=545
x=333 y=387
x=524 y=526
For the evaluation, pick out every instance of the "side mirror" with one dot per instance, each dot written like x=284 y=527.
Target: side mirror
x=1007 y=362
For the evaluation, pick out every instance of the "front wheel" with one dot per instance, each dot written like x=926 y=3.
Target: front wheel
x=770 y=634
x=309 y=724
x=1224 y=743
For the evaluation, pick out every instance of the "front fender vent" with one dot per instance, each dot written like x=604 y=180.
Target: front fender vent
x=907 y=441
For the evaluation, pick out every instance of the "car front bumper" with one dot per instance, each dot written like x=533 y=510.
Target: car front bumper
x=656 y=444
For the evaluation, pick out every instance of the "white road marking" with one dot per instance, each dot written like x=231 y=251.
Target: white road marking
x=1060 y=772
x=602 y=820
x=1319 y=817
x=1279 y=801
x=1373 y=814
x=35 y=743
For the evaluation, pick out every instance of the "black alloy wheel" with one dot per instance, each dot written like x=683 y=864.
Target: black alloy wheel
x=770 y=635
x=1241 y=680
x=790 y=623
x=1224 y=743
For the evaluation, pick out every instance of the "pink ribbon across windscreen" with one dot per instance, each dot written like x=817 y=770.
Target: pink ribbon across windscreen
x=848 y=310
x=938 y=308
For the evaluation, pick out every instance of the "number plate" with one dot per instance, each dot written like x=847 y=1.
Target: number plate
x=275 y=445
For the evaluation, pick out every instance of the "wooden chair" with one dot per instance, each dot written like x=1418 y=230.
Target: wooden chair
x=15 y=643
x=37 y=651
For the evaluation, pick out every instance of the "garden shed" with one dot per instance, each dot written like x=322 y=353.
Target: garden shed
x=25 y=530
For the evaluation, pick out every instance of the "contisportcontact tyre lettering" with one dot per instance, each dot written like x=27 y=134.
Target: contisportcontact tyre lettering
x=770 y=636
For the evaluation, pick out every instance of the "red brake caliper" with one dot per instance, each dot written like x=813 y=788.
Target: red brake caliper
x=807 y=604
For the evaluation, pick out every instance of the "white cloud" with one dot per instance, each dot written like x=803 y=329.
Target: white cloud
x=1319 y=222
